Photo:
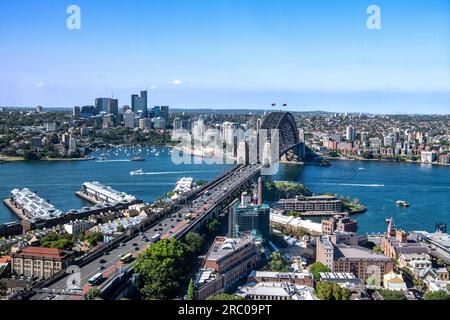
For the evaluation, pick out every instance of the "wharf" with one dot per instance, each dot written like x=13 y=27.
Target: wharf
x=88 y=198
x=322 y=213
x=17 y=211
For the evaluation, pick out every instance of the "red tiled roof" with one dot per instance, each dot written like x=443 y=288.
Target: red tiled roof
x=42 y=252
x=5 y=259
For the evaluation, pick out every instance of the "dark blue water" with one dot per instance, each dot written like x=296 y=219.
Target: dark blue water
x=58 y=181
x=377 y=184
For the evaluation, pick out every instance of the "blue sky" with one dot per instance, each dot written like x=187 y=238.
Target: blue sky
x=229 y=54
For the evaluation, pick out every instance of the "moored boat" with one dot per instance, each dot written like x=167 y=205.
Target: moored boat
x=402 y=203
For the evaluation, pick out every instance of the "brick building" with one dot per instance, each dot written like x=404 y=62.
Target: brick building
x=40 y=262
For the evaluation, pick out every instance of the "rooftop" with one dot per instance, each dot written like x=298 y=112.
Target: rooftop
x=42 y=252
x=357 y=252
x=35 y=206
x=277 y=289
x=223 y=246
x=108 y=191
x=280 y=275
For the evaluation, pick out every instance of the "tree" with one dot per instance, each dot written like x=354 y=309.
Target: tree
x=437 y=295
x=332 y=291
x=376 y=249
x=191 y=291
x=277 y=263
x=93 y=293
x=3 y=287
x=120 y=228
x=201 y=183
x=440 y=263
x=161 y=267
x=213 y=225
x=30 y=156
x=324 y=290
x=318 y=267
x=392 y=295
x=194 y=242
x=57 y=241
x=225 y=297
x=94 y=238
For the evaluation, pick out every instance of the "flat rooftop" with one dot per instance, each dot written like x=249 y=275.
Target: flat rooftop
x=357 y=252
x=108 y=191
x=224 y=246
x=35 y=206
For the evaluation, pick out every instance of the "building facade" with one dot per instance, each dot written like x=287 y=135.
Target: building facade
x=228 y=261
x=40 y=262
x=249 y=218
x=305 y=204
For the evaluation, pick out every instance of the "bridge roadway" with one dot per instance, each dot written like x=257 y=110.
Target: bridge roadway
x=172 y=226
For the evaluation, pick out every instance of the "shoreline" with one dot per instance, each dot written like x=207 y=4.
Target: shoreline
x=388 y=161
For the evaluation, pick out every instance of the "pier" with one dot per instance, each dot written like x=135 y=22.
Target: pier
x=36 y=213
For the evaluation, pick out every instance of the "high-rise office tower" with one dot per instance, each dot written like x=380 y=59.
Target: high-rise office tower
x=139 y=103
x=106 y=105
x=76 y=111
x=113 y=107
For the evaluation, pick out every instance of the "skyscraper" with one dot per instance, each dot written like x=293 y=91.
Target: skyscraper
x=128 y=119
x=139 y=103
x=246 y=217
x=107 y=105
x=76 y=111
x=350 y=133
x=113 y=107
x=101 y=105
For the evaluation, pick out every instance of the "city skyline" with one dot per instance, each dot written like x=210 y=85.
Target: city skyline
x=200 y=54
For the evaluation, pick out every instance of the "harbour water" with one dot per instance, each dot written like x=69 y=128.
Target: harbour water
x=377 y=184
x=59 y=180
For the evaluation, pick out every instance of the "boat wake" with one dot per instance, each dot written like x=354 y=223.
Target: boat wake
x=173 y=172
x=361 y=185
x=123 y=160
x=351 y=185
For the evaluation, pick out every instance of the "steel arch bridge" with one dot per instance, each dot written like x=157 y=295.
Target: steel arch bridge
x=289 y=140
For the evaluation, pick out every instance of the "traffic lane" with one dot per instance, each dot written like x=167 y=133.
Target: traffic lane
x=92 y=268
x=112 y=258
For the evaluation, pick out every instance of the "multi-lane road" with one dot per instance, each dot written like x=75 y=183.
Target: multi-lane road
x=168 y=227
